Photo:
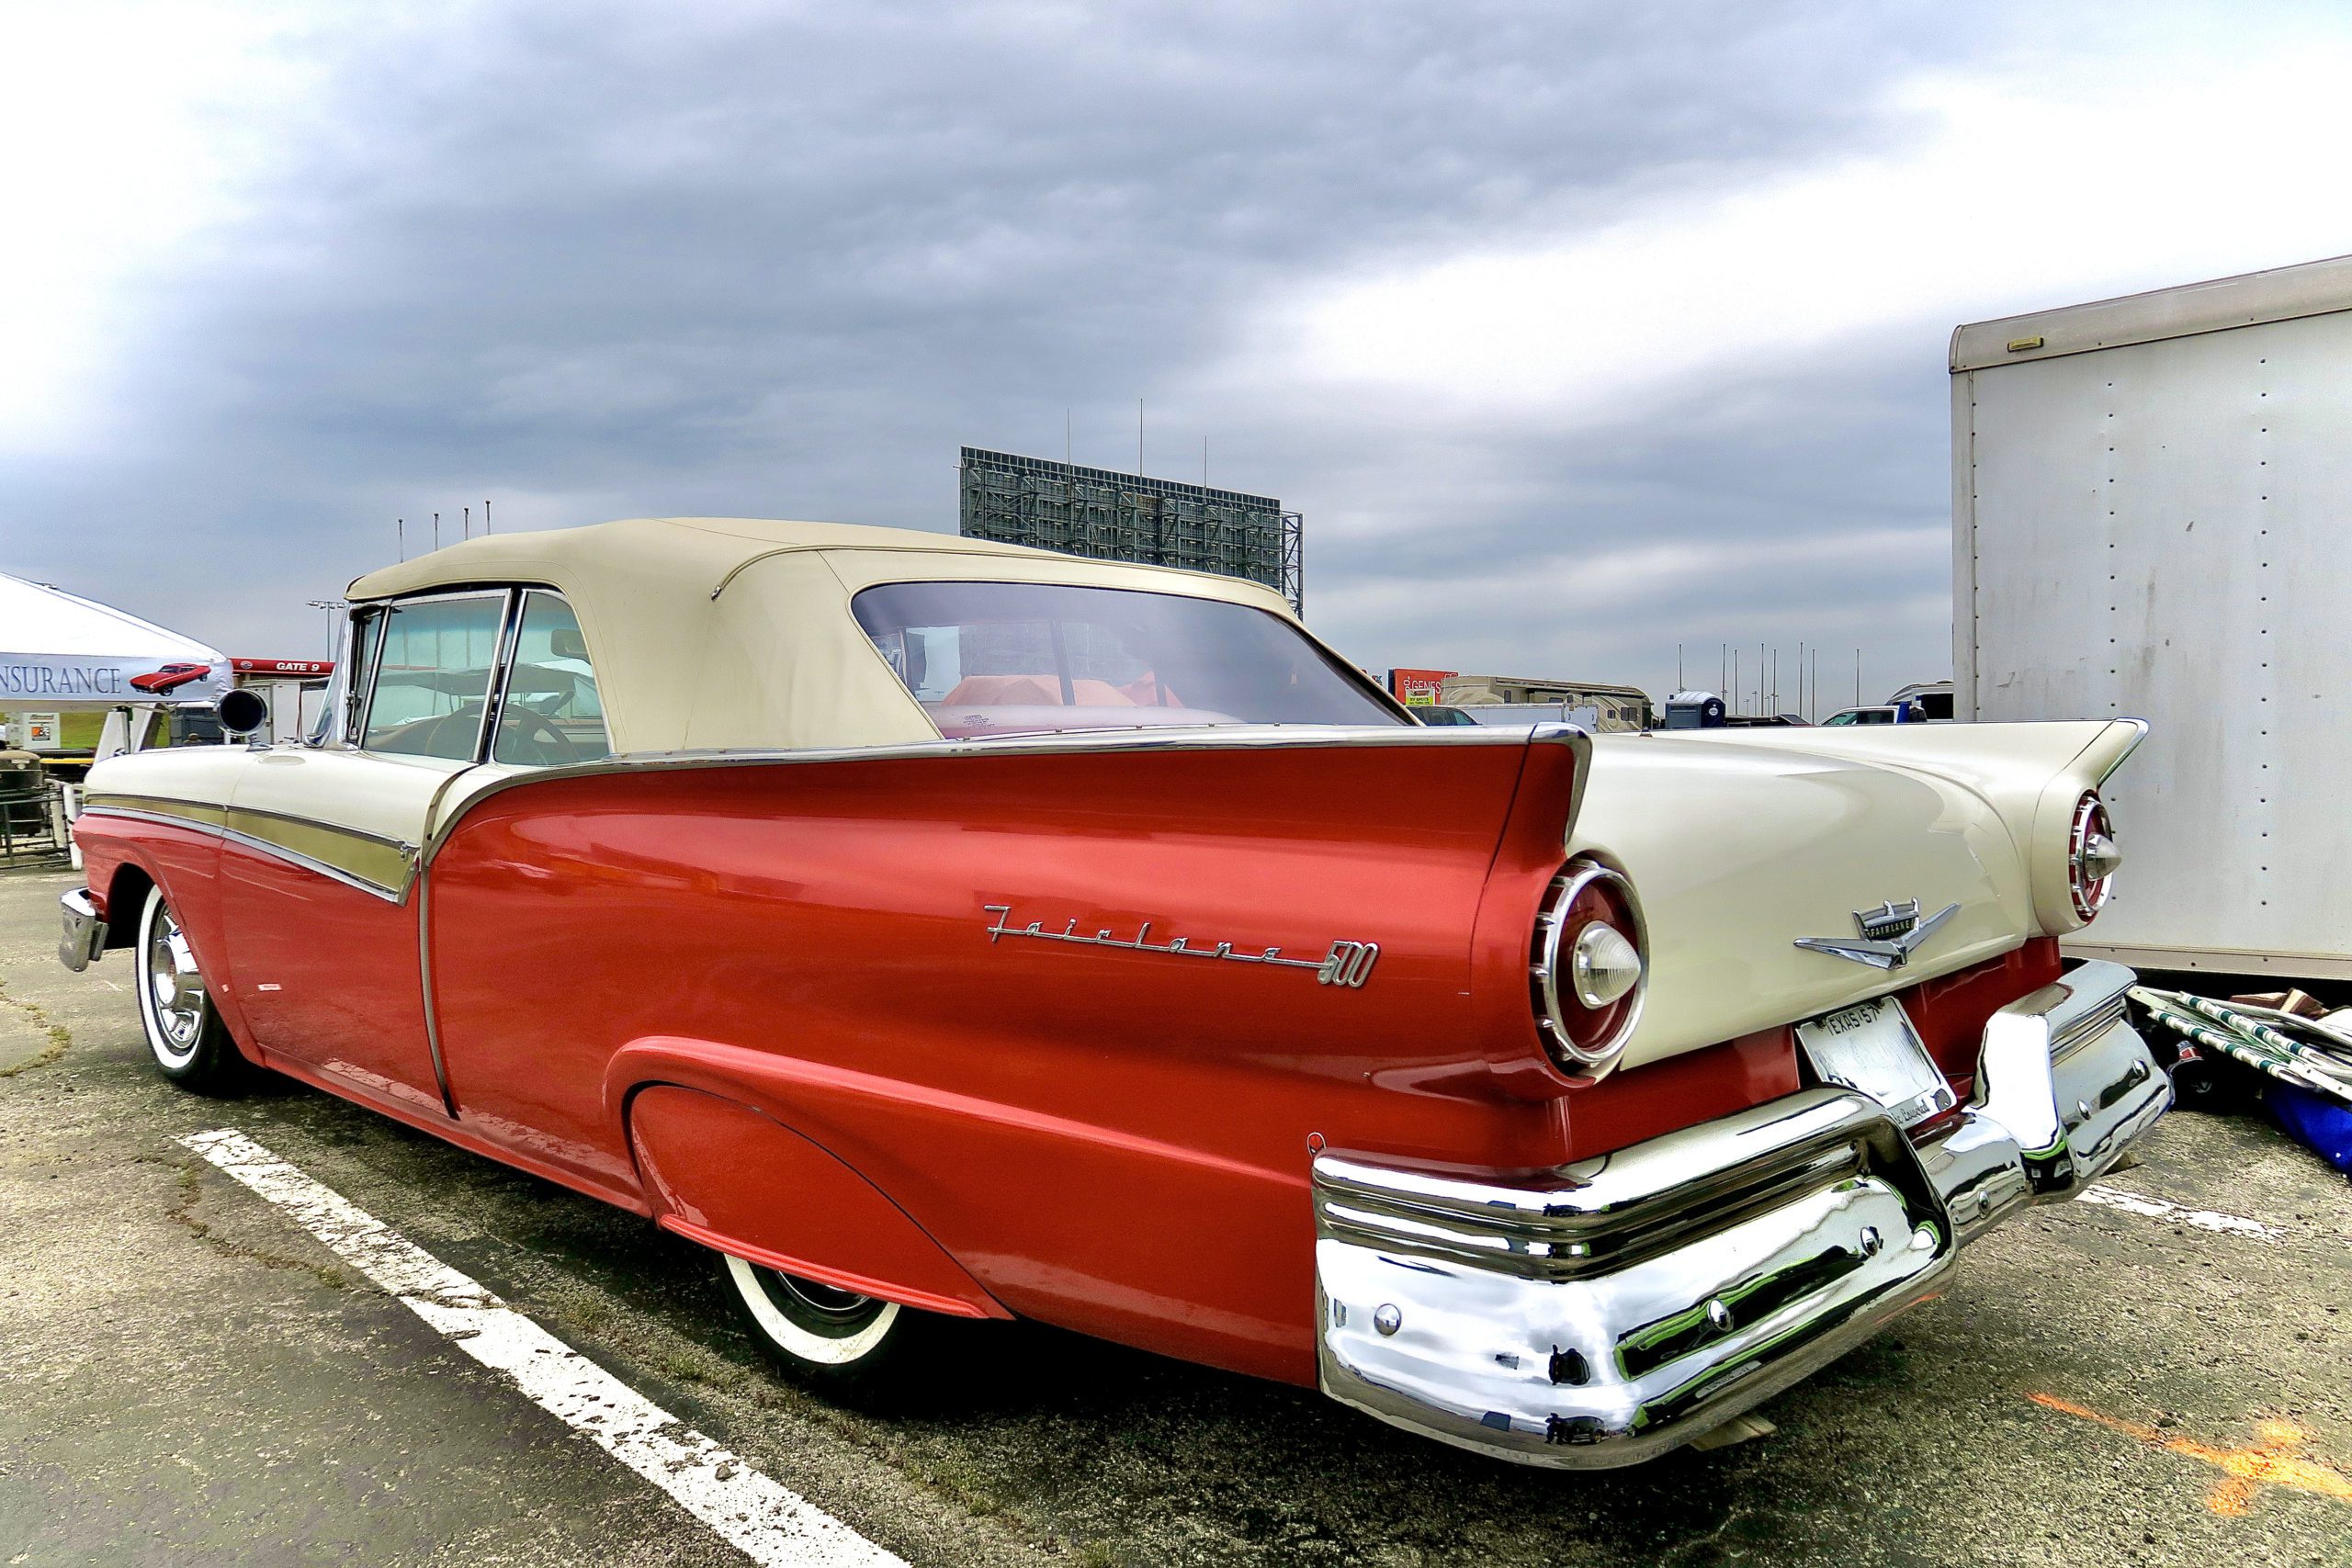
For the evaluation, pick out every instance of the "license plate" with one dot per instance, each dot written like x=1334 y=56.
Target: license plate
x=1872 y=1047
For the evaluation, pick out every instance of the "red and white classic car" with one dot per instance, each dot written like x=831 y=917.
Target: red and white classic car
x=935 y=927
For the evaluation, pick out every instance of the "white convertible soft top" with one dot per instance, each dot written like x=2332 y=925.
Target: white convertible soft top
x=732 y=633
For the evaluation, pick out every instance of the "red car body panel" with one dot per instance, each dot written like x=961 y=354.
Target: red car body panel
x=345 y=998
x=793 y=1010
x=1115 y=1141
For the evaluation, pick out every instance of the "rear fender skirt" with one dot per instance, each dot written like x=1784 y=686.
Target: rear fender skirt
x=721 y=1173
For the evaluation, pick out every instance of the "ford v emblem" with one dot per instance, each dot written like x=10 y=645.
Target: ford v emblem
x=1890 y=935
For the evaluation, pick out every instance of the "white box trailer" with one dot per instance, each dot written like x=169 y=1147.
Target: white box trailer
x=2151 y=517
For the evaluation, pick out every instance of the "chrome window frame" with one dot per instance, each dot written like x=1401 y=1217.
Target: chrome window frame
x=345 y=700
x=508 y=649
x=510 y=596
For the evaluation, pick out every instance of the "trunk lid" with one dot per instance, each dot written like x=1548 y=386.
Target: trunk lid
x=1741 y=846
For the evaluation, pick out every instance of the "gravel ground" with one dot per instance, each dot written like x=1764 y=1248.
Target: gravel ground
x=186 y=1377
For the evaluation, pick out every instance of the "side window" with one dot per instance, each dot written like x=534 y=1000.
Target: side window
x=431 y=678
x=550 y=714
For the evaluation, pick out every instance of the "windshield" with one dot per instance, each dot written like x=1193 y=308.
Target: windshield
x=1017 y=658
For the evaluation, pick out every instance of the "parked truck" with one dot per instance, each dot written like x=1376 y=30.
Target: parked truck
x=2151 y=517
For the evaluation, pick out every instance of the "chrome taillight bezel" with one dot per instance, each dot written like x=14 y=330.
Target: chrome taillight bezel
x=2089 y=894
x=1559 y=1013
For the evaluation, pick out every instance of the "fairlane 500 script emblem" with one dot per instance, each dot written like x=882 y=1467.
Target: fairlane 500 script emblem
x=1347 y=963
x=1890 y=934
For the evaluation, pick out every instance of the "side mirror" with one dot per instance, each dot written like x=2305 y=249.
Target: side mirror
x=242 y=711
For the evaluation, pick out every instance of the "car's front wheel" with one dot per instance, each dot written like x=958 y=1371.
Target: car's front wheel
x=830 y=1339
x=185 y=1034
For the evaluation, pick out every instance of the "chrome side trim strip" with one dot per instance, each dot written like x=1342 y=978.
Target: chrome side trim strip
x=399 y=845
x=425 y=984
x=1223 y=737
x=2141 y=726
x=276 y=851
x=189 y=810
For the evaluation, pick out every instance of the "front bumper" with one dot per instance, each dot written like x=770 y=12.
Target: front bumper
x=83 y=933
x=1615 y=1308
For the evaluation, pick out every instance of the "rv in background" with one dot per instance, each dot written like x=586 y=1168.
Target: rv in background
x=2148 y=506
x=1612 y=707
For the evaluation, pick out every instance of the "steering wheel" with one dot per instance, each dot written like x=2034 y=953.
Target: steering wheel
x=522 y=727
x=423 y=736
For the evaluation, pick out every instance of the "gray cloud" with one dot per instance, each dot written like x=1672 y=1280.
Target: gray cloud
x=600 y=261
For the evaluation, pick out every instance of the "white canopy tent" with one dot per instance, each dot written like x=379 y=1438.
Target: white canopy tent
x=61 y=651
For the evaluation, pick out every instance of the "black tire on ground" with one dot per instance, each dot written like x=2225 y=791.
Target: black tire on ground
x=184 y=1034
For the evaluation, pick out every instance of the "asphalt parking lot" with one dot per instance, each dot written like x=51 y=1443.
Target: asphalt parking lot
x=187 y=1376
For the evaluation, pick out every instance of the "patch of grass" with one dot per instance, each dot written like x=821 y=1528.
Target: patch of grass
x=181 y=1211
x=60 y=1037
x=963 y=1483
x=591 y=1314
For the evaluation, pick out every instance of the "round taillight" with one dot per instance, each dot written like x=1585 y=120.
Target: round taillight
x=2092 y=858
x=1588 y=968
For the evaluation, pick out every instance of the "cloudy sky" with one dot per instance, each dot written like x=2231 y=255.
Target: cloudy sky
x=1575 y=330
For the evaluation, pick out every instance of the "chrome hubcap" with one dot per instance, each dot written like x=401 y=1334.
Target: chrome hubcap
x=175 y=984
x=820 y=1309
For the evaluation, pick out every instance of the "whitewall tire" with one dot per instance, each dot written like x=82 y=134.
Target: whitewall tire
x=184 y=1034
x=831 y=1339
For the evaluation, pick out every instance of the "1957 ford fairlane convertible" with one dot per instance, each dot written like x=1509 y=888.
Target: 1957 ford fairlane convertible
x=936 y=927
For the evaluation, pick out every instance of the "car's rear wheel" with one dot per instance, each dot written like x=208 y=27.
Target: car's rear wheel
x=184 y=1034
x=830 y=1339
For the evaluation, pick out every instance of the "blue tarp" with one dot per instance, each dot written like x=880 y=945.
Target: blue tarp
x=2312 y=1120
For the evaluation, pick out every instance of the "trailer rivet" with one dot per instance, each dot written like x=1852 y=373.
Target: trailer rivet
x=2083 y=1109
x=1718 y=1313
x=1387 y=1319
x=1872 y=1241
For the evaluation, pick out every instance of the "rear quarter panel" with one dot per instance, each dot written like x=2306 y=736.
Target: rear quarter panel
x=1113 y=1140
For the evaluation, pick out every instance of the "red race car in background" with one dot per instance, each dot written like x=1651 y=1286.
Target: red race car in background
x=169 y=678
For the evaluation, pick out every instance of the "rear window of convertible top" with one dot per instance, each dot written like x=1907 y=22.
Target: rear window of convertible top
x=1020 y=658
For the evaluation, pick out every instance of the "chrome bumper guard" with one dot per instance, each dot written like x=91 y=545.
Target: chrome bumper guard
x=1608 y=1311
x=85 y=933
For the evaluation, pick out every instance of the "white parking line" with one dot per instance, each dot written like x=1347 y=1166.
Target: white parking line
x=2108 y=1197
x=772 y=1525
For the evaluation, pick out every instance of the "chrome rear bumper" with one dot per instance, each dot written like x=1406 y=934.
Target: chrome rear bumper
x=1610 y=1310
x=83 y=935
